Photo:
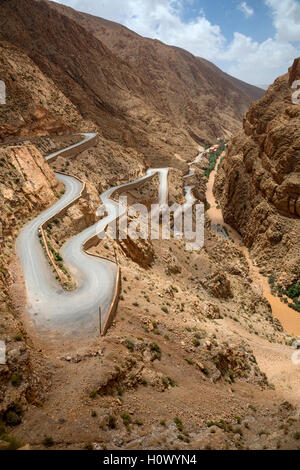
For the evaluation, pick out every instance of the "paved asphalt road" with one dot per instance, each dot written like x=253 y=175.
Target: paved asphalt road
x=77 y=312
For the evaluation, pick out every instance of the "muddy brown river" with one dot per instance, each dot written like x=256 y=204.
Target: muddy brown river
x=288 y=317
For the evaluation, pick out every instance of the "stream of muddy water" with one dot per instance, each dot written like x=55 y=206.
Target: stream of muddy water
x=288 y=317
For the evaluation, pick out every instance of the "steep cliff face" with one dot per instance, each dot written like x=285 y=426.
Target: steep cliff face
x=259 y=182
x=27 y=185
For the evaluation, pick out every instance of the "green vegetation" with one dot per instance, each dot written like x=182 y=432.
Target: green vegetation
x=129 y=345
x=89 y=446
x=292 y=293
x=224 y=425
x=154 y=348
x=58 y=260
x=252 y=407
x=138 y=422
x=12 y=442
x=48 y=441
x=212 y=159
x=13 y=416
x=183 y=438
x=272 y=280
x=168 y=381
x=18 y=337
x=126 y=419
x=179 y=424
x=16 y=379
x=112 y=422
x=93 y=394
x=190 y=361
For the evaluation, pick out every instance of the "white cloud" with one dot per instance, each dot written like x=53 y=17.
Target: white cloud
x=159 y=19
x=262 y=62
x=286 y=19
x=244 y=58
x=246 y=9
x=258 y=63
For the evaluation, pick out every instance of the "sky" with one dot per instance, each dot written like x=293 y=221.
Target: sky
x=253 y=40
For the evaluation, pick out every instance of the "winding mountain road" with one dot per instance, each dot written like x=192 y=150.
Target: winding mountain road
x=86 y=137
x=49 y=306
x=189 y=198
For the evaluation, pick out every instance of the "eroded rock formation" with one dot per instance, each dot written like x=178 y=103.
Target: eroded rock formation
x=259 y=183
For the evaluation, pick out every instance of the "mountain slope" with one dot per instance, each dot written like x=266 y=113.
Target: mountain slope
x=194 y=77
x=160 y=100
x=193 y=318
x=34 y=105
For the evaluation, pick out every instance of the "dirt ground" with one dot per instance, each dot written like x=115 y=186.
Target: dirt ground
x=152 y=382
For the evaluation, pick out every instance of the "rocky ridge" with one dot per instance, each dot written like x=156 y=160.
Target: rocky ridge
x=258 y=185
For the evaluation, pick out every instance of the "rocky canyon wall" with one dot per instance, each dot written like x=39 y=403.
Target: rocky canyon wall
x=259 y=183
